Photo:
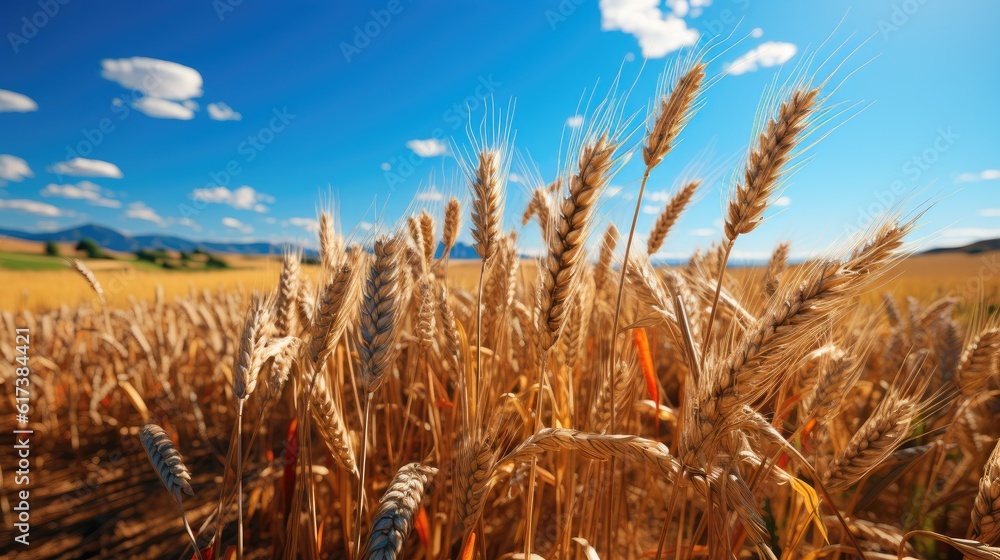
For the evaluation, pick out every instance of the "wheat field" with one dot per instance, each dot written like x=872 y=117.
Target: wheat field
x=389 y=403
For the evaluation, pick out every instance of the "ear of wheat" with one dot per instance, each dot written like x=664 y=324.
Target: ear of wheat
x=380 y=313
x=487 y=208
x=394 y=517
x=986 y=509
x=166 y=460
x=772 y=151
x=671 y=213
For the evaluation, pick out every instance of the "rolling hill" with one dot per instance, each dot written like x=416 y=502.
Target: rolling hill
x=116 y=241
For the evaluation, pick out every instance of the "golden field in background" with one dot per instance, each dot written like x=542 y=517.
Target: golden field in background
x=922 y=276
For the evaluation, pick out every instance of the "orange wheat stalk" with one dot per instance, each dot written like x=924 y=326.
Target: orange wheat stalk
x=646 y=363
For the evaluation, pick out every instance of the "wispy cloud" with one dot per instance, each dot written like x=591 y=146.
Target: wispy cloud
x=222 y=112
x=990 y=212
x=84 y=190
x=242 y=198
x=13 y=168
x=575 y=121
x=658 y=196
x=139 y=211
x=771 y=53
x=188 y=222
x=703 y=232
x=233 y=223
x=81 y=167
x=431 y=194
x=167 y=87
x=163 y=109
x=156 y=78
x=986 y=175
x=650 y=209
x=658 y=34
x=365 y=226
x=430 y=147
x=309 y=224
x=684 y=8
x=971 y=232
x=32 y=207
x=13 y=102
x=783 y=201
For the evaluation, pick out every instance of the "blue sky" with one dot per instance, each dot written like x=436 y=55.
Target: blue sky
x=356 y=103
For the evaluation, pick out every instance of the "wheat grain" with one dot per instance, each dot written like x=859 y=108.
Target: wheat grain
x=397 y=508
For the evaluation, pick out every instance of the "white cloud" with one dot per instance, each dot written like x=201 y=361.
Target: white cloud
x=162 y=109
x=612 y=191
x=703 y=232
x=971 y=232
x=12 y=102
x=384 y=166
x=188 y=222
x=309 y=224
x=84 y=190
x=242 y=198
x=222 y=112
x=156 y=78
x=658 y=196
x=740 y=256
x=697 y=7
x=757 y=33
x=515 y=178
x=81 y=167
x=770 y=53
x=233 y=223
x=987 y=175
x=13 y=168
x=270 y=220
x=32 y=207
x=650 y=209
x=658 y=34
x=139 y=211
x=428 y=148
x=575 y=121
x=679 y=7
x=991 y=212
x=430 y=195
x=47 y=225
x=782 y=201
x=366 y=226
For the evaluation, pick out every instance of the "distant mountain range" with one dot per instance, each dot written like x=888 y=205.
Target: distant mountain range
x=972 y=248
x=120 y=242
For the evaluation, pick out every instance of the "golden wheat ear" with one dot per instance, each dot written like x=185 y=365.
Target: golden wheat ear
x=166 y=460
x=396 y=511
x=986 y=510
x=169 y=465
